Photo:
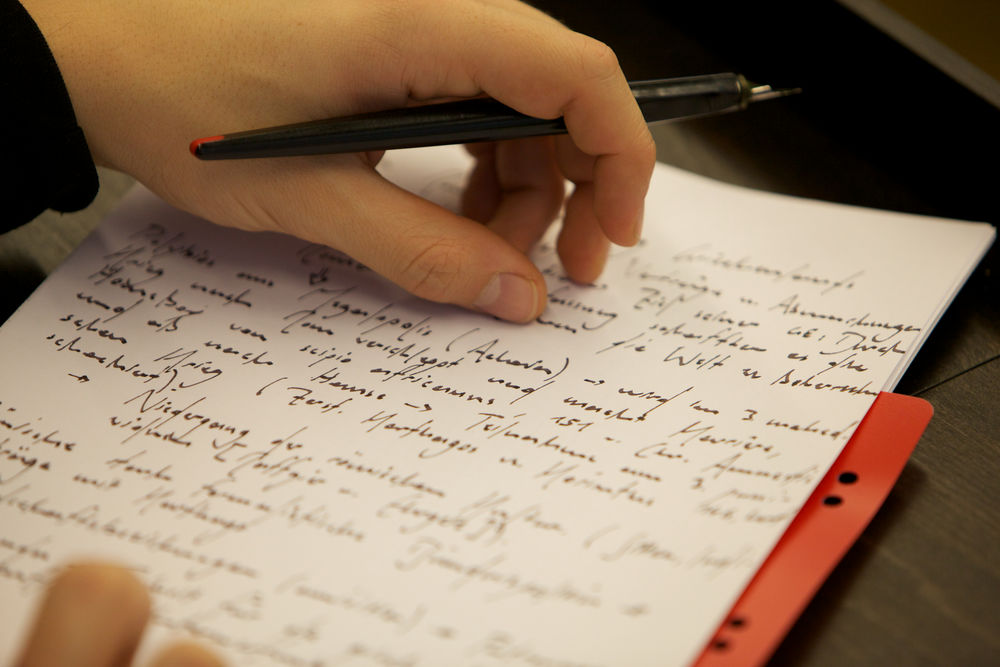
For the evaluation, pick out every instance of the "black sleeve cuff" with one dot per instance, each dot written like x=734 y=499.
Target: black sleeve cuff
x=44 y=158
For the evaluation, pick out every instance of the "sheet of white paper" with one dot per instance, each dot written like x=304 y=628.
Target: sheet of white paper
x=308 y=466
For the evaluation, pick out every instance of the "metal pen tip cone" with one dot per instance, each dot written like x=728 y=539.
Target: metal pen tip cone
x=761 y=93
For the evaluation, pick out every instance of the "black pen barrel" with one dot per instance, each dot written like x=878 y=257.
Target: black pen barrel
x=461 y=122
x=464 y=121
x=690 y=97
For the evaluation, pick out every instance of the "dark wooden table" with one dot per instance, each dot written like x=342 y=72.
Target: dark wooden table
x=876 y=127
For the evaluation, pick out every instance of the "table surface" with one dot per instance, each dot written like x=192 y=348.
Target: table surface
x=922 y=584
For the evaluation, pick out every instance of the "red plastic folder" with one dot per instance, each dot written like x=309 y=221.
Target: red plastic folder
x=831 y=521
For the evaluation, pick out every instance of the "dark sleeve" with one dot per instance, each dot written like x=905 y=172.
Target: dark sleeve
x=44 y=159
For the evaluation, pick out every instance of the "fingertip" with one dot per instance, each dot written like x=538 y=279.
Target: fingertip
x=583 y=267
x=584 y=242
x=635 y=226
x=619 y=200
x=92 y=613
x=187 y=654
x=623 y=228
x=111 y=587
x=512 y=297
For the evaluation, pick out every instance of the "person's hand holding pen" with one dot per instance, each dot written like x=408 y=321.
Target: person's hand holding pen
x=147 y=77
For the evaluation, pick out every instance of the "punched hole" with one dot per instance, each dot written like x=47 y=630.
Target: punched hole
x=832 y=501
x=720 y=644
x=847 y=477
x=737 y=622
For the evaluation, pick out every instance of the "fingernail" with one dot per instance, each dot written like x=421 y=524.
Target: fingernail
x=509 y=297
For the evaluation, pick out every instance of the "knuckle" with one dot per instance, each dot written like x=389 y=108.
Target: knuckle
x=597 y=59
x=436 y=271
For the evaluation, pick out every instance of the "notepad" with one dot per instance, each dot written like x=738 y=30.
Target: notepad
x=309 y=466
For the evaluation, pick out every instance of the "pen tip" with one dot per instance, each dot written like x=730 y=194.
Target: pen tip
x=760 y=93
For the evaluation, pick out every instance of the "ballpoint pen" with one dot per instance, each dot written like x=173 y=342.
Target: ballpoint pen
x=474 y=120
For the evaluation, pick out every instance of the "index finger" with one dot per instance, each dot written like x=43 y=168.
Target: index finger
x=545 y=70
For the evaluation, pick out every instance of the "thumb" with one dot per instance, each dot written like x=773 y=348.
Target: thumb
x=422 y=247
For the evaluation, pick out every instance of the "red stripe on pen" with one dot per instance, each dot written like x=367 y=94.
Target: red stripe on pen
x=196 y=144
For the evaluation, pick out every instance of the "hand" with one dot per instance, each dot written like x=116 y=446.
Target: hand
x=93 y=616
x=147 y=77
